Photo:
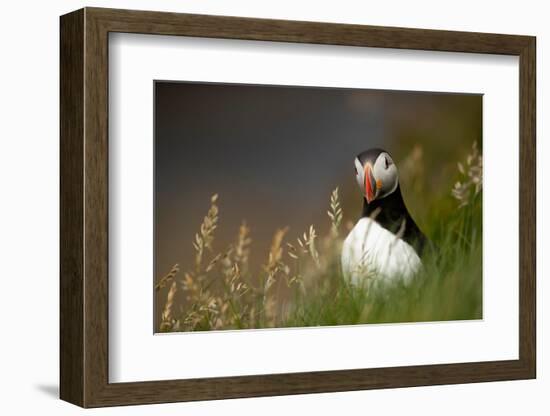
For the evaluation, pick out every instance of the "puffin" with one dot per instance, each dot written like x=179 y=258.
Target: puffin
x=385 y=245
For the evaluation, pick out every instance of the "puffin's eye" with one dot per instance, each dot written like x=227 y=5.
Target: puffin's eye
x=387 y=162
x=355 y=171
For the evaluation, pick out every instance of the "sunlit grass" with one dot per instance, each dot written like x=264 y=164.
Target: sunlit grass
x=301 y=283
x=448 y=288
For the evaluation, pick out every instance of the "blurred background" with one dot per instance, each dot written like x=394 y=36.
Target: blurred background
x=275 y=153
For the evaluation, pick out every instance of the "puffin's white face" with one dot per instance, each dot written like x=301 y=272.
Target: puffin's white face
x=377 y=180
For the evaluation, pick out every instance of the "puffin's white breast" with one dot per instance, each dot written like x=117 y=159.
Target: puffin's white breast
x=371 y=251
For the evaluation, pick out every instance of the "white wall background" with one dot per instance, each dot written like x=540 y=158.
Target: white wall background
x=29 y=85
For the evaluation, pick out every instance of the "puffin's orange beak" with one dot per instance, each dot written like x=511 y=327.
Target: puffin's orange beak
x=370 y=184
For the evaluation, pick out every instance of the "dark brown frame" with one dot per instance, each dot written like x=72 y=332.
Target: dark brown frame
x=84 y=213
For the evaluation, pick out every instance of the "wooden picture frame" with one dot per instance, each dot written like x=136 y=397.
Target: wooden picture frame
x=84 y=207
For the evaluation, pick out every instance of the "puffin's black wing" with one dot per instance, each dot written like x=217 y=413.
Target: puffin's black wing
x=392 y=214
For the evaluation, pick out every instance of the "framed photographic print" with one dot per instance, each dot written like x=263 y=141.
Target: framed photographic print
x=262 y=207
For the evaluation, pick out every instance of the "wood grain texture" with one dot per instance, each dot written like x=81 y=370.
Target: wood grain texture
x=84 y=207
x=71 y=100
x=528 y=208
x=162 y=23
x=96 y=219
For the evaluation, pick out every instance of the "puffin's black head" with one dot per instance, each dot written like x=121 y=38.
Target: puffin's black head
x=376 y=174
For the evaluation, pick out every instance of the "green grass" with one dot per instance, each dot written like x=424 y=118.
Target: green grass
x=448 y=288
x=301 y=282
